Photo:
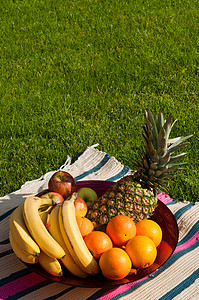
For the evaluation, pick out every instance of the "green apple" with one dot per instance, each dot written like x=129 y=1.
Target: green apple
x=88 y=195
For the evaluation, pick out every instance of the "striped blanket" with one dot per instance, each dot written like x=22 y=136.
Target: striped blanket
x=176 y=279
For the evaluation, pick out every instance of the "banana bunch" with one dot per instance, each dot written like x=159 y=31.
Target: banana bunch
x=64 y=229
x=60 y=244
x=37 y=229
x=73 y=239
x=55 y=231
x=28 y=235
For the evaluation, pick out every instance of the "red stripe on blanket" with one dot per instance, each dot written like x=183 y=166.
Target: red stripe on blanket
x=19 y=285
x=164 y=198
x=189 y=243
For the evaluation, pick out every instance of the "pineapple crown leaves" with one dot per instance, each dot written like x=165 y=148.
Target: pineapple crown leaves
x=158 y=158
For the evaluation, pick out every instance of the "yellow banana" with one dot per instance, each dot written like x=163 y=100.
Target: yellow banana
x=45 y=214
x=54 y=230
x=46 y=204
x=45 y=208
x=20 y=253
x=50 y=264
x=37 y=229
x=73 y=238
x=20 y=232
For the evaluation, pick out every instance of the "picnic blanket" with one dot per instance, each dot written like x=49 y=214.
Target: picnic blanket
x=177 y=279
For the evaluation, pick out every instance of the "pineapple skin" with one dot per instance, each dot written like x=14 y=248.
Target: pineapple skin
x=125 y=197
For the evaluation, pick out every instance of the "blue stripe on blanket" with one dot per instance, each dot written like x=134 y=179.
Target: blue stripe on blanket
x=6 y=214
x=172 y=202
x=95 y=169
x=119 y=175
x=182 y=210
x=182 y=286
x=5 y=253
x=15 y=276
x=62 y=293
x=191 y=233
x=4 y=242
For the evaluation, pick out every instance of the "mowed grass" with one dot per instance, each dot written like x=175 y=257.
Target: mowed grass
x=77 y=73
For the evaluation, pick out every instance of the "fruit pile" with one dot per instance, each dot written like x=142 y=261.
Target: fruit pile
x=53 y=230
x=113 y=234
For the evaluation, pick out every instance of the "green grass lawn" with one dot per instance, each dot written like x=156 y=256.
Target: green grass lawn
x=76 y=73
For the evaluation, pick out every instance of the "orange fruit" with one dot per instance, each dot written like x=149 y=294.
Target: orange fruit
x=115 y=264
x=151 y=229
x=142 y=251
x=98 y=242
x=85 y=225
x=121 y=229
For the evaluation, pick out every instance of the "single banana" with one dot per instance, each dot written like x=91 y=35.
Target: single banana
x=45 y=208
x=45 y=214
x=21 y=233
x=37 y=229
x=47 y=204
x=50 y=264
x=20 y=253
x=55 y=231
x=73 y=238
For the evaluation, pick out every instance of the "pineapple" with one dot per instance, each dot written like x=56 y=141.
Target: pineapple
x=135 y=195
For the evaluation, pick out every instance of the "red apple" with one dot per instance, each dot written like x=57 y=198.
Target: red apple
x=63 y=183
x=56 y=197
x=80 y=207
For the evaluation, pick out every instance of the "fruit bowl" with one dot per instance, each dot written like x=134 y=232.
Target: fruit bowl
x=163 y=216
